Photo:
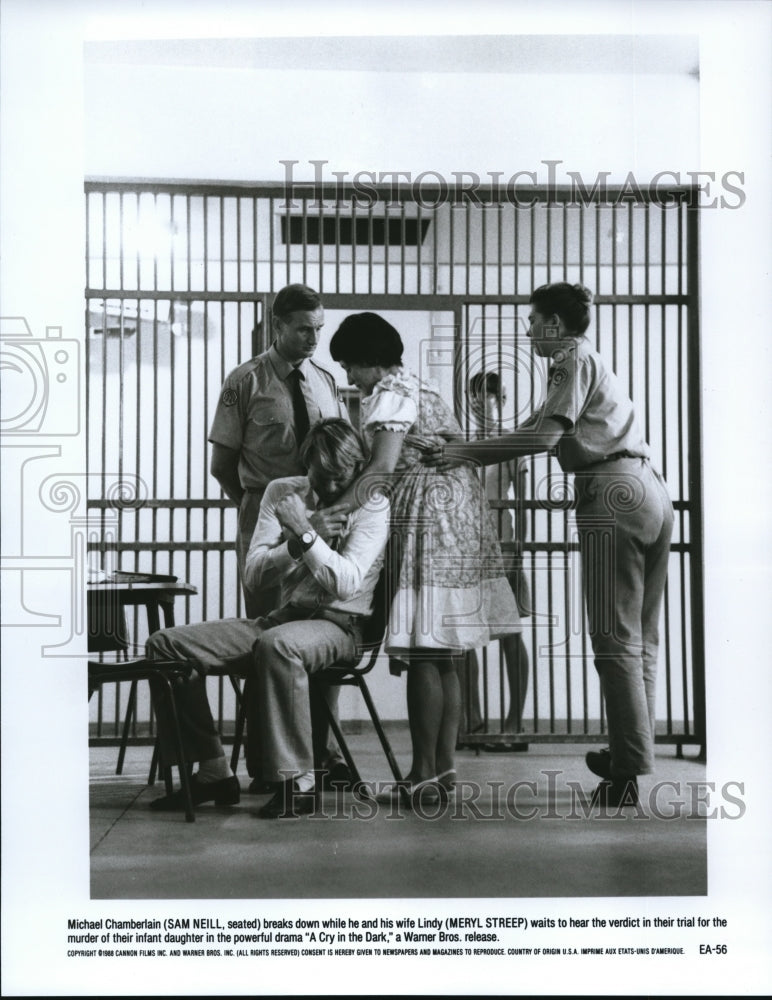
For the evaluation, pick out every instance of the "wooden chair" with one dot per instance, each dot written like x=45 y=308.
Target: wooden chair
x=166 y=674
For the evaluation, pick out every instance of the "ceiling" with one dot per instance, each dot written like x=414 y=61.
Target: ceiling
x=622 y=54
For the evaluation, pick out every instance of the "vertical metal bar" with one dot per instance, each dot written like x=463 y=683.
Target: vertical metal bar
x=386 y=246
x=598 y=218
x=353 y=247
x=548 y=240
x=551 y=513
x=419 y=245
x=402 y=288
x=435 y=264
x=337 y=245
x=104 y=239
x=121 y=228
x=304 y=245
x=515 y=248
x=484 y=237
x=613 y=250
x=320 y=211
x=630 y=292
x=87 y=350
x=451 y=242
x=370 y=247
x=468 y=246
x=272 y=241
x=694 y=404
x=499 y=250
x=255 y=248
x=532 y=220
x=663 y=217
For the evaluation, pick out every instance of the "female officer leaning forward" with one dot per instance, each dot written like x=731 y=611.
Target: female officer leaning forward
x=624 y=516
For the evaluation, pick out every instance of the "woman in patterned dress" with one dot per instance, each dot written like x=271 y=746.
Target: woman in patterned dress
x=450 y=591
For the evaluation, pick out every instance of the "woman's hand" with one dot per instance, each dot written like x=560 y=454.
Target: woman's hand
x=328 y=522
x=433 y=456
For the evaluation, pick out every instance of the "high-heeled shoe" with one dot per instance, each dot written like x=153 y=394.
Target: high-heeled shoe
x=409 y=793
x=447 y=783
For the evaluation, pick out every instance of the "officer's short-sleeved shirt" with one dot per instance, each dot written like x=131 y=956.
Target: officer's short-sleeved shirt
x=586 y=394
x=254 y=415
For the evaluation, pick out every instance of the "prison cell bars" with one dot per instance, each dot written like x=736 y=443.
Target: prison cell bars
x=475 y=278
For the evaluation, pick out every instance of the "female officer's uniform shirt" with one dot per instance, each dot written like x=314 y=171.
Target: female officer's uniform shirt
x=585 y=393
x=255 y=417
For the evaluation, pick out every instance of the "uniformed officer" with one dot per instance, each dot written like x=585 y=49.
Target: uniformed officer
x=265 y=409
x=264 y=412
x=624 y=517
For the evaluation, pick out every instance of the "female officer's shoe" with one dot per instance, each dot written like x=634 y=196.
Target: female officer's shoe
x=599 y=762
x=616 y=793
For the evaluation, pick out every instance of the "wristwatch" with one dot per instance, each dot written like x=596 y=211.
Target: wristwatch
x=307 y=539
x=297 y=546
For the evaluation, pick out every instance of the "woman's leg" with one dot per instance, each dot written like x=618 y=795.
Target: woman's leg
x=433 y=708
x=451 y=715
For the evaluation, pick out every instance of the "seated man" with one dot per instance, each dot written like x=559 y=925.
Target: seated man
x=326 y=591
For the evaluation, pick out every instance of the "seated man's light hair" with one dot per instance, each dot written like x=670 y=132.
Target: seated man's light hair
x=335 y=445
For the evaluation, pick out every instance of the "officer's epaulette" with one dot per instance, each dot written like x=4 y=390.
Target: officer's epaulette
x=323 y=370
x=237 y=375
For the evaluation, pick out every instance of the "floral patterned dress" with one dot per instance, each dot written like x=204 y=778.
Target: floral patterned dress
x=450 y=590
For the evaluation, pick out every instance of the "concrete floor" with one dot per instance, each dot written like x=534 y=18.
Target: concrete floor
x=533 y=841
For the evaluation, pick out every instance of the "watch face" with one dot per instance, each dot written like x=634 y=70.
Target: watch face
x=307 y=538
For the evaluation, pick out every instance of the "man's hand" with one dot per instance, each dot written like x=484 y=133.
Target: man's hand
x=187 y=678
x=328 y=523
x=436 y=455
x=291 y=514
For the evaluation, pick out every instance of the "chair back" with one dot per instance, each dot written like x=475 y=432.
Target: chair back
x=107 y=630
x=374 y=627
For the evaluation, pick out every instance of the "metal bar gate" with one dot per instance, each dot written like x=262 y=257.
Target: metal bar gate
x=179 y=280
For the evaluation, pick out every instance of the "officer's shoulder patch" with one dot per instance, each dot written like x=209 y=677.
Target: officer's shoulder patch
x=229 y=396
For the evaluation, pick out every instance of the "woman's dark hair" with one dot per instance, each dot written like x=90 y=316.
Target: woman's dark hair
x=367 y=339
x=571 y=303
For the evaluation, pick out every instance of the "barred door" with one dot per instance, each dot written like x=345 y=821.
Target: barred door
x=179 y=283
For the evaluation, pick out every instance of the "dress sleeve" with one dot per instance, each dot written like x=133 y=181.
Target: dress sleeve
x=390 y=411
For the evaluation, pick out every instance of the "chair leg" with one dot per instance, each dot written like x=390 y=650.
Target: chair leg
x=241 y=715
x=360 y=681
x=182 y=765
x=341 y=740
x=131 y=707
x=153 y=764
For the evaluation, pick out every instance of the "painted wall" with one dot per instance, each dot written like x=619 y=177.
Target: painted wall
x=186 y=122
